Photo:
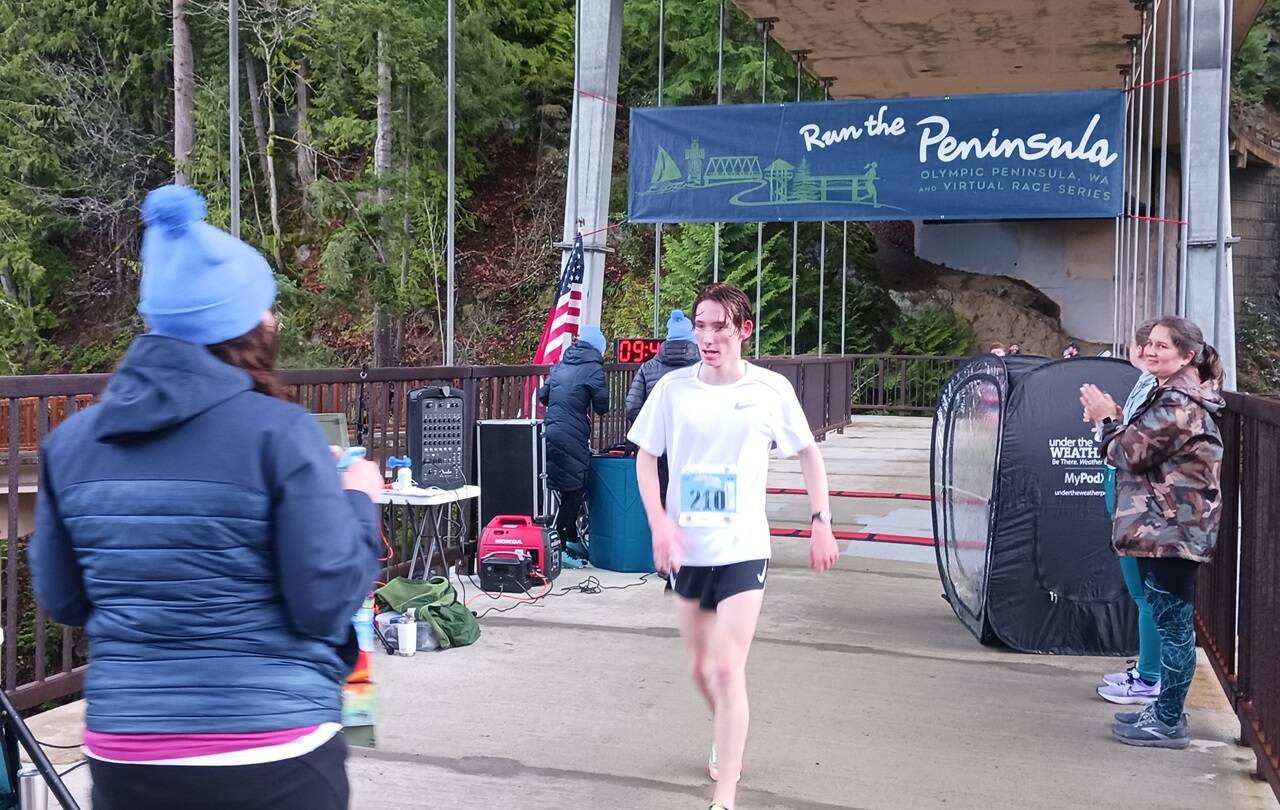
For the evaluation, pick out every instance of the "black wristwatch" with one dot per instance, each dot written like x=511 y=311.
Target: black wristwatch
x=822 y=517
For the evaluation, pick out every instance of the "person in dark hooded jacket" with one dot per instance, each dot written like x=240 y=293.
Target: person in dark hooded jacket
x=575 y=384
x=194 y=524
x=677 y=351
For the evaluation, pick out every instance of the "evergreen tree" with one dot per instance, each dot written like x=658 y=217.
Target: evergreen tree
x=803 y=187
x=89 y=122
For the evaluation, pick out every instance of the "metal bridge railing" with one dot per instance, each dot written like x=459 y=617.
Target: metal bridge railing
x=1238 y=593
x=42 y=660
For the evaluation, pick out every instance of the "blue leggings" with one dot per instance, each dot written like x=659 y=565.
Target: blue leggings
x=1172 y=612
x=1148 y=634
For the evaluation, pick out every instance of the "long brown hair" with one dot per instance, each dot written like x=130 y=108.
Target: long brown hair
x=255 y=352
x=1188 y=339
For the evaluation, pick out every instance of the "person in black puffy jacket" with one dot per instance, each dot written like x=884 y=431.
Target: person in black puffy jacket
x=678 y=350
x=575 y=384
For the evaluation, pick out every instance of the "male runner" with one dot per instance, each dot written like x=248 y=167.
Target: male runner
x=715 y=420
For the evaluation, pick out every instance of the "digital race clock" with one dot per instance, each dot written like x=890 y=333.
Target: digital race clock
x=635 y=350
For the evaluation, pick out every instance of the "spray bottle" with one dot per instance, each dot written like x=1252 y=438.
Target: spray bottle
x=401 y=470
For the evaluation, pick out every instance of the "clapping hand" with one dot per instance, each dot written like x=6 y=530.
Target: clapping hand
x=1097 y=404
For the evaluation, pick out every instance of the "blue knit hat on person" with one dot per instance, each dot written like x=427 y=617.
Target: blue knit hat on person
x=199 y=284
x=679 y=327
x=592 y=336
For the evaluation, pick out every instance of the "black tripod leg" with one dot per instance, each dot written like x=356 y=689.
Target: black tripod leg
x=14 y=723
x=11 y=764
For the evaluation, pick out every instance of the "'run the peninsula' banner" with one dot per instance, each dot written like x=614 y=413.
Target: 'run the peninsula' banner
x=1017 y=156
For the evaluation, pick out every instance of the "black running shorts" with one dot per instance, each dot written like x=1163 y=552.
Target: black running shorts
x=712 y=584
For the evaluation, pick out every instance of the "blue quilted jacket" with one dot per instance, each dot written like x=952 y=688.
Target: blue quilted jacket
x=197 y=530
x=576 y=384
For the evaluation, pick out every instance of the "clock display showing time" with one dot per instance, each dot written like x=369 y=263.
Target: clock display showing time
x=635 y=350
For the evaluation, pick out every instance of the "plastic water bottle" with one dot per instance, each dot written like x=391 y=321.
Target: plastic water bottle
x=404 y=479
x=363 y=623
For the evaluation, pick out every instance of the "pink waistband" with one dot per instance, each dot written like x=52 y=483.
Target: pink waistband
x=152 y=747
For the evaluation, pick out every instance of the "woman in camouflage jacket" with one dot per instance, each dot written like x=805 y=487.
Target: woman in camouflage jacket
x=1168 y=461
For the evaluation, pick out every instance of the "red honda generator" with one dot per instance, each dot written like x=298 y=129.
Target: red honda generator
x=516 y=555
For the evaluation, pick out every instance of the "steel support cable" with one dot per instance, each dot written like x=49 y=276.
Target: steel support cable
x=1149 y=179
x=1127 y=227
x=765 y=27
x=715 y=236
x=1184 y=147
x=1164 y=161
x=795 y=225
x=1135 y=186
x=657 y=228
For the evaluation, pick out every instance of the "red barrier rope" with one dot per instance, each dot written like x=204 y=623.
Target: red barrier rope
x=604 y=228
x=1154 y=82
x=589 y=94
x=855 y=493
x=874 y=537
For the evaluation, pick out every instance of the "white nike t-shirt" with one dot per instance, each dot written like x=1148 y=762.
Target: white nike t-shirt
x=730 y=427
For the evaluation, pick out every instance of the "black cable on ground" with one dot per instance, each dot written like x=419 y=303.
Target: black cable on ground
x=79 y=764
x=590 y=585
x=60 y=747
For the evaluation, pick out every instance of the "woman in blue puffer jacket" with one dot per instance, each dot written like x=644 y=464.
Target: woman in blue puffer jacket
x=193 y=523
x=576 y=384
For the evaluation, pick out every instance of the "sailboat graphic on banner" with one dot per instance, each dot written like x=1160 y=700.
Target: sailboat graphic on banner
x=666 y=174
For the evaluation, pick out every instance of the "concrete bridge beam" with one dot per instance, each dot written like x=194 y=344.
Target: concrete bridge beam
x=1206 y=295
x=599 y=50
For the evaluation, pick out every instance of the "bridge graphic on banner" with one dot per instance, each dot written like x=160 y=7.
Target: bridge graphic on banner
x=782 y=183
x=1004 y=156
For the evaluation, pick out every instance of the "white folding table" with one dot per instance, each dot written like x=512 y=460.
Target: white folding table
x=430 y=502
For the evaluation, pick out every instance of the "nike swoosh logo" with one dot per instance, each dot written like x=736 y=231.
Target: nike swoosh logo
x=740 y=405
x=760 y=576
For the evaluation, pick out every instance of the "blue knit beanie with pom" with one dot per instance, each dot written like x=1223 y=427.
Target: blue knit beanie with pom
x=592 y=336
x=199 y=284
x=679 y=327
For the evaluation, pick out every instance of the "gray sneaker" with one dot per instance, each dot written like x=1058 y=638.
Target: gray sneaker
x=1149 y=732
x=1128 y=718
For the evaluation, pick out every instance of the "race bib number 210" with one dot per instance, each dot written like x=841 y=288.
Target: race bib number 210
x=708 y=496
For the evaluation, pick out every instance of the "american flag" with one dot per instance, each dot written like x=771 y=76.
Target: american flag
x=566 y=310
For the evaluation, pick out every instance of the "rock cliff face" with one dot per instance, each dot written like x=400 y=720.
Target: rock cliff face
x=998 y=308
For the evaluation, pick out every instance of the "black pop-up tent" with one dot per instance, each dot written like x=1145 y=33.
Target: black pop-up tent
x=1022 y=533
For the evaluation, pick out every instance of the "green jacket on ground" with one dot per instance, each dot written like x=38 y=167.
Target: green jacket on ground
x=434 y=601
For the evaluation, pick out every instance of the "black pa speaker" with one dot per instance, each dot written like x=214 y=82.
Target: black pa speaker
x=437 y=428
x=511 y=465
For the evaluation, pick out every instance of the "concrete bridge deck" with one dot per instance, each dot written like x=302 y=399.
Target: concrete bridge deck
x=866 y=693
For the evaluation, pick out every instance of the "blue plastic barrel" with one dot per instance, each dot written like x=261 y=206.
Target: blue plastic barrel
x=620 y=538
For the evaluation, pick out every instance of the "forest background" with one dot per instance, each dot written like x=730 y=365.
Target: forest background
x=342 y=163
